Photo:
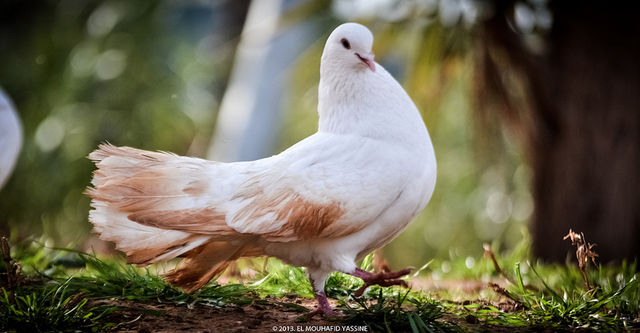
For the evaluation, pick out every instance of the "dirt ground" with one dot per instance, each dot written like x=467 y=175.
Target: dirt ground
x=266 y=315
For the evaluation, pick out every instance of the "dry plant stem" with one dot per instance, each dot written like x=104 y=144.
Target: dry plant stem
x=584 y=252
x=12 y=278
x=501 y=291
x=380 y=264
x=75 y=299
x=488 y=252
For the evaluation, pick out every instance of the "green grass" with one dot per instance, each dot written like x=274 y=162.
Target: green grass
x=393 y=309
x=104 y=279
x=545 y=296
x=51 y=309
x=548 y=296
x=279 y=279
x=611 y=309
x=553 y=296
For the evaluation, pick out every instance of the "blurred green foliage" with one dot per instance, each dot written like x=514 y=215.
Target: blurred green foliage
x=149 y=74
x=85 y=72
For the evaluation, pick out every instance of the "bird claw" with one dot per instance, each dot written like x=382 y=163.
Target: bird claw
x=382 y=283
x=325 y=313
x=383 y=279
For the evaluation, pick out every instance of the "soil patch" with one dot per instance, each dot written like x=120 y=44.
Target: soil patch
x=271 y=314
x=260 y=316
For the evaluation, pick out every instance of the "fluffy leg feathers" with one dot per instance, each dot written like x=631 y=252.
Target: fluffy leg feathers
x=203 y=263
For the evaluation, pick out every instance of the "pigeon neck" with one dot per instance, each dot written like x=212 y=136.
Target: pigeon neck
x=368 y=104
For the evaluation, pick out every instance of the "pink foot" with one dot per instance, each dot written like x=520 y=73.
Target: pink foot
x=323 y=309
x=383 y=279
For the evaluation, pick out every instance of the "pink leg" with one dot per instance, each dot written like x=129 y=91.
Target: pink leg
x=383 y=279
x=323 y=309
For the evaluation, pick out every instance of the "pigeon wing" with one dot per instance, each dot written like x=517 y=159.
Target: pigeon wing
x=326 y=186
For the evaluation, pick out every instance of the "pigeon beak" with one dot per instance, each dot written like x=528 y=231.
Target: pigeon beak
x=367 y=59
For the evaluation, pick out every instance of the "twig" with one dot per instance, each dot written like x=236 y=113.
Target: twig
x=13 y=268
x=75 y=299
x=380 y=264
x=501 y=291
x=489 y=254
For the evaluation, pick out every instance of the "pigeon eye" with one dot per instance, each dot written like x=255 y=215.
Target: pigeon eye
x=345 y=43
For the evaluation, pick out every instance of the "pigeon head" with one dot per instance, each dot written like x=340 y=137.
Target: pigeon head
x=349 y=46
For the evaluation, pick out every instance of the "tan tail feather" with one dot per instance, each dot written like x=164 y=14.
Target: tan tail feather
x=135 y=180
x=194 y=220
x=106 y=149
x=155 y=189
x=206 y=262
x=142 y=195
x=145 y=256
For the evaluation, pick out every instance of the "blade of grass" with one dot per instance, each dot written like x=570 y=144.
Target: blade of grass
x=546 y=286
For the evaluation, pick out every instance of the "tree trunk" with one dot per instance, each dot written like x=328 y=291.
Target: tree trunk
x=584 y=138
x=251 y=112
x=588 y=176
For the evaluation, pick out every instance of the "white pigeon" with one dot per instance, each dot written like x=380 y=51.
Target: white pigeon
x=323 y=203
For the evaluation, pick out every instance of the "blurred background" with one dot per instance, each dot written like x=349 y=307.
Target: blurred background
x=532 y=107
